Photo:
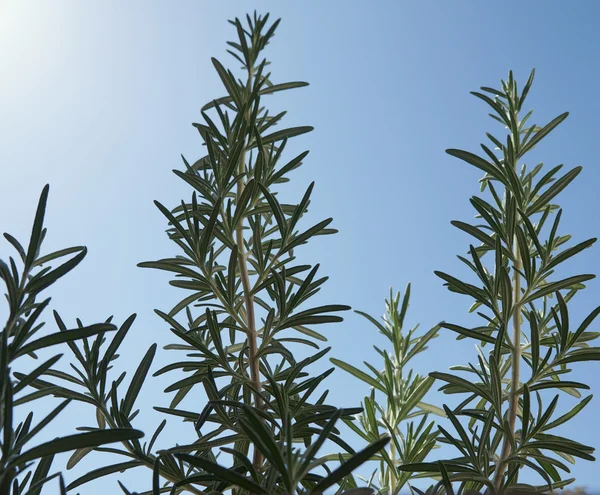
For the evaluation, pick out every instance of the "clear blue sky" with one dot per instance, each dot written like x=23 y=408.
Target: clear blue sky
x=97 y=99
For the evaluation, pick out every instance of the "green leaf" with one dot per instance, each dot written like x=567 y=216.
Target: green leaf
x=223 y=473
x=174 y=222
x=138 y=380
x=156 y=477
x=535 y=342
x=421 y=344
x=429 y=408
x=65 y=336
x=77 y=456
x=282 y=87
x=125 y=490
x=291 y=165
x=36 y=285
x=36 y=232
x=118 y=339
x=350 y=465
x=568 y=253
x=584 y=325
x=559 y=446
x=228 y=81
x=78 y=441
x=545 y=180
x=103 y=471
x=433 y=467
x=463 y=384
x=478 y=162
x=36 y=373
x=17 y=245
x=553 y=191
x=464 y=288
x=568 y=415
x=310 y=333
x=469 y=333
x=301 y=238
x=57 y=254
x=589 y=354
x=497 y=106
x=417 y=394
x=23 y=439
x=470 y=448
x=543 y=132
x=208 y=229
x=243 y=202
x=286 y=134
x=545 y=384
x=311 y=452
x=533 y=235
x=526 y=89
x=40 y=476
x=361 y=375
x=171 y=267
x=546 y=289
x=263 y=440
x=276 y=210
x=7 y=419
x=446 y=479
x=475 y=232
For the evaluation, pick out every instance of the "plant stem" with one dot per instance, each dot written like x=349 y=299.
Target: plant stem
x=253 y=361
x=392 y=472
x=513 y=400
x=250 y=317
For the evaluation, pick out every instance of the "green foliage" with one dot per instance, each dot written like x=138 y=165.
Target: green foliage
x=403 y=392
x=20 y=340
x=247 y=306
x=523 y=302
x=239 y=243
x=259 y=419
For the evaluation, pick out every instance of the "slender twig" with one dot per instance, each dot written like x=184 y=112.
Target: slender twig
x=514 y=393
x=253 y=361
x=513 y=401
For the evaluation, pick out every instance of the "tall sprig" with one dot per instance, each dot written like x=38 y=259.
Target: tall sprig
x=238 y=244
x=523 y=304
x=239 y=241
x=396 y=398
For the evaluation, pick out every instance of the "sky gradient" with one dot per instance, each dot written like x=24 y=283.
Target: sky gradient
x=97 y=99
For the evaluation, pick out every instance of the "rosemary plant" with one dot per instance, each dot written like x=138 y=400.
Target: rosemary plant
x=247 y=306
x=403 y=392
x=525 y=321
x=247 y=327
x=25 y=468
x=239 y=243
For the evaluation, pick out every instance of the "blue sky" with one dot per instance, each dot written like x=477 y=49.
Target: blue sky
x=97 y=99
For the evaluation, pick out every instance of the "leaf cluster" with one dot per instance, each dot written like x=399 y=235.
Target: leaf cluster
x=25 y=464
